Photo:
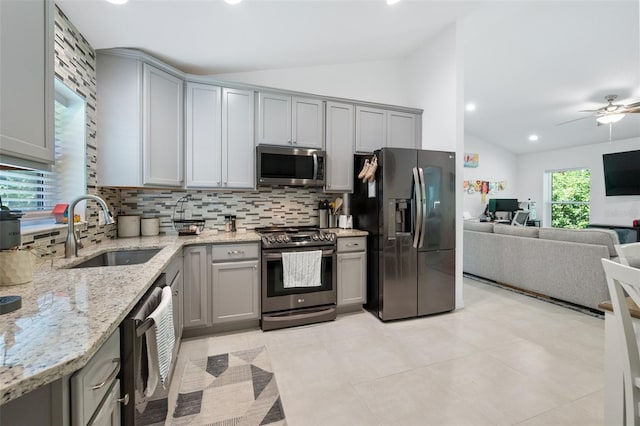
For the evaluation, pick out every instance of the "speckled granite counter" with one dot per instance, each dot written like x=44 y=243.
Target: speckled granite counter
x=67 y=314
x=340 y=233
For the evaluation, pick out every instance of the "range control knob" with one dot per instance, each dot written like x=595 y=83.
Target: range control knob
x=322 y=237
x=331 y=237
x=272 y=239
x=265 y=241
x=279 y=238
x=315 y=237
x=286 y=238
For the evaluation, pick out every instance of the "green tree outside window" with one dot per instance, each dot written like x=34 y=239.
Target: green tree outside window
x=570 y=197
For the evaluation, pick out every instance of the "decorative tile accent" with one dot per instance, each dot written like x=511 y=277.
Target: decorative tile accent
x=263 y=207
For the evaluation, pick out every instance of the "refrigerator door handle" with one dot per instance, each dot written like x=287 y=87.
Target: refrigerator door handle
x=423 y=224
x=417 y=197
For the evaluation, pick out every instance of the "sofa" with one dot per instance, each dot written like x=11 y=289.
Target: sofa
x=560 y=263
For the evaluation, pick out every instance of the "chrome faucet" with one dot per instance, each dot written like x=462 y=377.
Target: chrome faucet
x=71 y=244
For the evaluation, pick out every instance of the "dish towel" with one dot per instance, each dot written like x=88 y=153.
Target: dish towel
x=301 y=268
x=160 y=341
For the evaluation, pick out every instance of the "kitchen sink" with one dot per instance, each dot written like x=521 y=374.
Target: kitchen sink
x=118 y=257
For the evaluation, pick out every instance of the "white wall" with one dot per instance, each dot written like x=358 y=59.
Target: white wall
x=494 y=164
x=604 y=210
x=375 y=81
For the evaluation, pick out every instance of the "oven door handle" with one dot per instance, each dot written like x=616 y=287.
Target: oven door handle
x=278 y=255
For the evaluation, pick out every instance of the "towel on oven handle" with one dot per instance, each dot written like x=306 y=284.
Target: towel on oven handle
x=301 y=268
x=160 y=342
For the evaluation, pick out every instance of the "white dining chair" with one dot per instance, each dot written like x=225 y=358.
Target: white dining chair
x=629 y=254
x=621 y=278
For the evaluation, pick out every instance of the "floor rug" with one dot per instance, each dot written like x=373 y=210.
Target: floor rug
x=228 y=389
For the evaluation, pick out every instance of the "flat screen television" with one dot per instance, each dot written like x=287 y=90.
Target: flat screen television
x=622 y=173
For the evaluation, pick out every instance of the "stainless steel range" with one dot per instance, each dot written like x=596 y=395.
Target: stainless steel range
x=290 y=306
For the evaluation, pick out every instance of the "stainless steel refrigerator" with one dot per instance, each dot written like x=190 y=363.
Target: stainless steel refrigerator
x=409 y=212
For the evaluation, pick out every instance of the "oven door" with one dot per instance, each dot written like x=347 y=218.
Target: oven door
x=275 y=297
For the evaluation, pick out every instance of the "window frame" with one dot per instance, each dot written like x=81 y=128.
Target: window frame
x=549 y=194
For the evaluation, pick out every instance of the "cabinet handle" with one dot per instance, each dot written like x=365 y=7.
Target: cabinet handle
x=235 y=252
x=290 y=142
x=352 y=244
x=255 y=266
x=112 y=376
x=124 y=400
x=175 y=292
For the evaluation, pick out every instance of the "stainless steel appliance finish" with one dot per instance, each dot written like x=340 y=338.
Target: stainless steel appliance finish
x=119 y=257
x=290 y=166
x=287 y=307
x=134 y=358
x=410 y=214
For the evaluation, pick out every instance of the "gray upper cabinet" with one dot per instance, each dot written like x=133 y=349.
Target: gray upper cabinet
x=238 y=152
x=204 y=136
x=371 y=129
x=401 y=130
x=162 y=131
x=219 y=137
x=140 y=140
x=340 y=144
x=290 y=121
x=26 y=82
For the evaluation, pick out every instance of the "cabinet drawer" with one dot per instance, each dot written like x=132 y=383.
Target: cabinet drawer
x=234 y=252
x=90 y=384
x=352 y=244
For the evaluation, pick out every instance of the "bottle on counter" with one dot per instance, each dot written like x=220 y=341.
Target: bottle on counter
x=227 y=223
x=233 y=223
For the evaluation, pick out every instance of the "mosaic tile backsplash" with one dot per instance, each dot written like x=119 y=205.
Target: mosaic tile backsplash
x=263 y=207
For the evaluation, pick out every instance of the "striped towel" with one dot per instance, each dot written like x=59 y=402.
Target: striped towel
x=301 y=268
x=160 y=341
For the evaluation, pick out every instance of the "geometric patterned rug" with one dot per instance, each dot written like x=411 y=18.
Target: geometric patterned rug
x=236 y=388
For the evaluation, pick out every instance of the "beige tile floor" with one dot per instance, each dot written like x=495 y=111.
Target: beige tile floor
x=505 y=359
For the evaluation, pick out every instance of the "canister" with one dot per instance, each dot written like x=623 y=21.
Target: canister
x=128 y=226
x=149 y=226
x=9 y=229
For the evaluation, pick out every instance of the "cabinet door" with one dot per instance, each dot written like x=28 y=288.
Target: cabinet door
x=196 y=294
x=109 y=413
x=238 y=151
x=26 y=81
x=274 y=119
x=204 y=136
x=162 y=128
x=401 y=130
x=352 y=278
x=371 y=129
x=340 y=147
x=236 y=291
x=308 y=124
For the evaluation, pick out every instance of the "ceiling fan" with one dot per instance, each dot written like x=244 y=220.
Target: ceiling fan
x=610 y=113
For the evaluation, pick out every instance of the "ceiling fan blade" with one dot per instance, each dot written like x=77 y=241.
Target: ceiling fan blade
x=633 y=105
x=575 y=119
x=633 y=110
x=589 y=110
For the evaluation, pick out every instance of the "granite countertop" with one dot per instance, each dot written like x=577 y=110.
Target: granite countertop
x=343 y=233
x=67 y=314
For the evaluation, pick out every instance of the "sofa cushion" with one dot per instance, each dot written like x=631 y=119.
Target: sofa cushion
x=517 y=231
x=470 y=225
x=603 y=237
x=629 y=254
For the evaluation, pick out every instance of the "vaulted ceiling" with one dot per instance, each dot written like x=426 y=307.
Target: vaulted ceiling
x=528 y=65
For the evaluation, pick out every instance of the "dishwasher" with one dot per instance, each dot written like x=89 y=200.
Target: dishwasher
x=133 y=350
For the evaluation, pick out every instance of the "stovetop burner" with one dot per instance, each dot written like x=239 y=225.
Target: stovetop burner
x=295 y=236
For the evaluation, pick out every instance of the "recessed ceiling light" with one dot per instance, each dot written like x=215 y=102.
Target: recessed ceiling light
x=392 y=1
x=232 y=1
x=117 y=1
x=533 y=138
x=470 y=106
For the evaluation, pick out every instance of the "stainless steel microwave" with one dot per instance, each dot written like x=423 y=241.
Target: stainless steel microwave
x=290 y=166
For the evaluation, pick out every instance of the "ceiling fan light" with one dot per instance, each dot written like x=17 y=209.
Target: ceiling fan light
x=390 y=2
x=117 y=1
x=609 y=118
x=232 y=1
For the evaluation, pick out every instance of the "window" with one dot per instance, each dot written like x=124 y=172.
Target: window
x=570 y=196
x=36 y=192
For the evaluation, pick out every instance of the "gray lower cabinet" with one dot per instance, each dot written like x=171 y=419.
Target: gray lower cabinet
x=26 y=82
x=352 y=271
x=235 y=283
x=95 y=390
x=196 y=288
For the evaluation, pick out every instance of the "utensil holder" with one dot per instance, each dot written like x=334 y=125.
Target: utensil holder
x=333 y=220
